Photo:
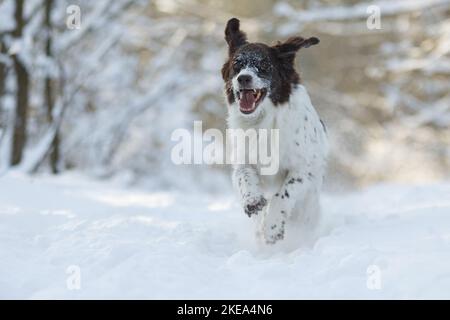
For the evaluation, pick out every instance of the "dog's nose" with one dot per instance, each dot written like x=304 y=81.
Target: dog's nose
x=244 y=79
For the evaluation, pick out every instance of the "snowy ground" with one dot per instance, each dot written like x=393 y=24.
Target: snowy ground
x=137 y=244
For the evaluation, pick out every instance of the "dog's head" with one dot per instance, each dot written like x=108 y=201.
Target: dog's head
x=255 y=72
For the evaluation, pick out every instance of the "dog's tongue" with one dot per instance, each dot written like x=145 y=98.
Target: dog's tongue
x=247 y=100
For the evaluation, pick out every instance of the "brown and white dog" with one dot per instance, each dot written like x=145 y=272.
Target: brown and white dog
x=263 y=91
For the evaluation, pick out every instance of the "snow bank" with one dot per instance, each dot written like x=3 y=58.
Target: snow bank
x=136 y=244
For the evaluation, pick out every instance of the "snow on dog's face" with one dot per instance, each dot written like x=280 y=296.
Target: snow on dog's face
x=255 y=71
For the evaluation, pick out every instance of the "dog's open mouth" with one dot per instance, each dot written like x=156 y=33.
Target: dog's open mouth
x=249 y=99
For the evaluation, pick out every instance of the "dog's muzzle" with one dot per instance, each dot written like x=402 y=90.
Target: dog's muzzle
x=249 y=99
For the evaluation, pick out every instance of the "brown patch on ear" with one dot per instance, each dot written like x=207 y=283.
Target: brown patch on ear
x=234 y=36
x=288 y=75
x=289 y=48
x=226 y=70
x=226 y=77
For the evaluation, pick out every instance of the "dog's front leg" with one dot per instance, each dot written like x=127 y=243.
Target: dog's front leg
x=246 y=181
x=281 y=205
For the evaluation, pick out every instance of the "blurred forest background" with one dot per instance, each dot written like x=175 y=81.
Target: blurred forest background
x=105 y=98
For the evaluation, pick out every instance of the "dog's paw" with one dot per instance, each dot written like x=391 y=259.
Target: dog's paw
x=253 y=206
x=274 y=223
x=274 y=232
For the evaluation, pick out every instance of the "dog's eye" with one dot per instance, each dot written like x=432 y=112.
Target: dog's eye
x=237 y=65
x=264 y=66
x=264 y=69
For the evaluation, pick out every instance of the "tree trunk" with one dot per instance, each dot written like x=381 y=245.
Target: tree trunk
x=3 y=123
x=22 y=84
x=49 y=87
x=2 y=71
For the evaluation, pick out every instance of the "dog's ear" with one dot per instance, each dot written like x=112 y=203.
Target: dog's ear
x=289 y=48
x=234 y=37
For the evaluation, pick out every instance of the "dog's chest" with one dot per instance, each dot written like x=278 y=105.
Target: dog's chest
x=295 y=135
x=296 y=130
